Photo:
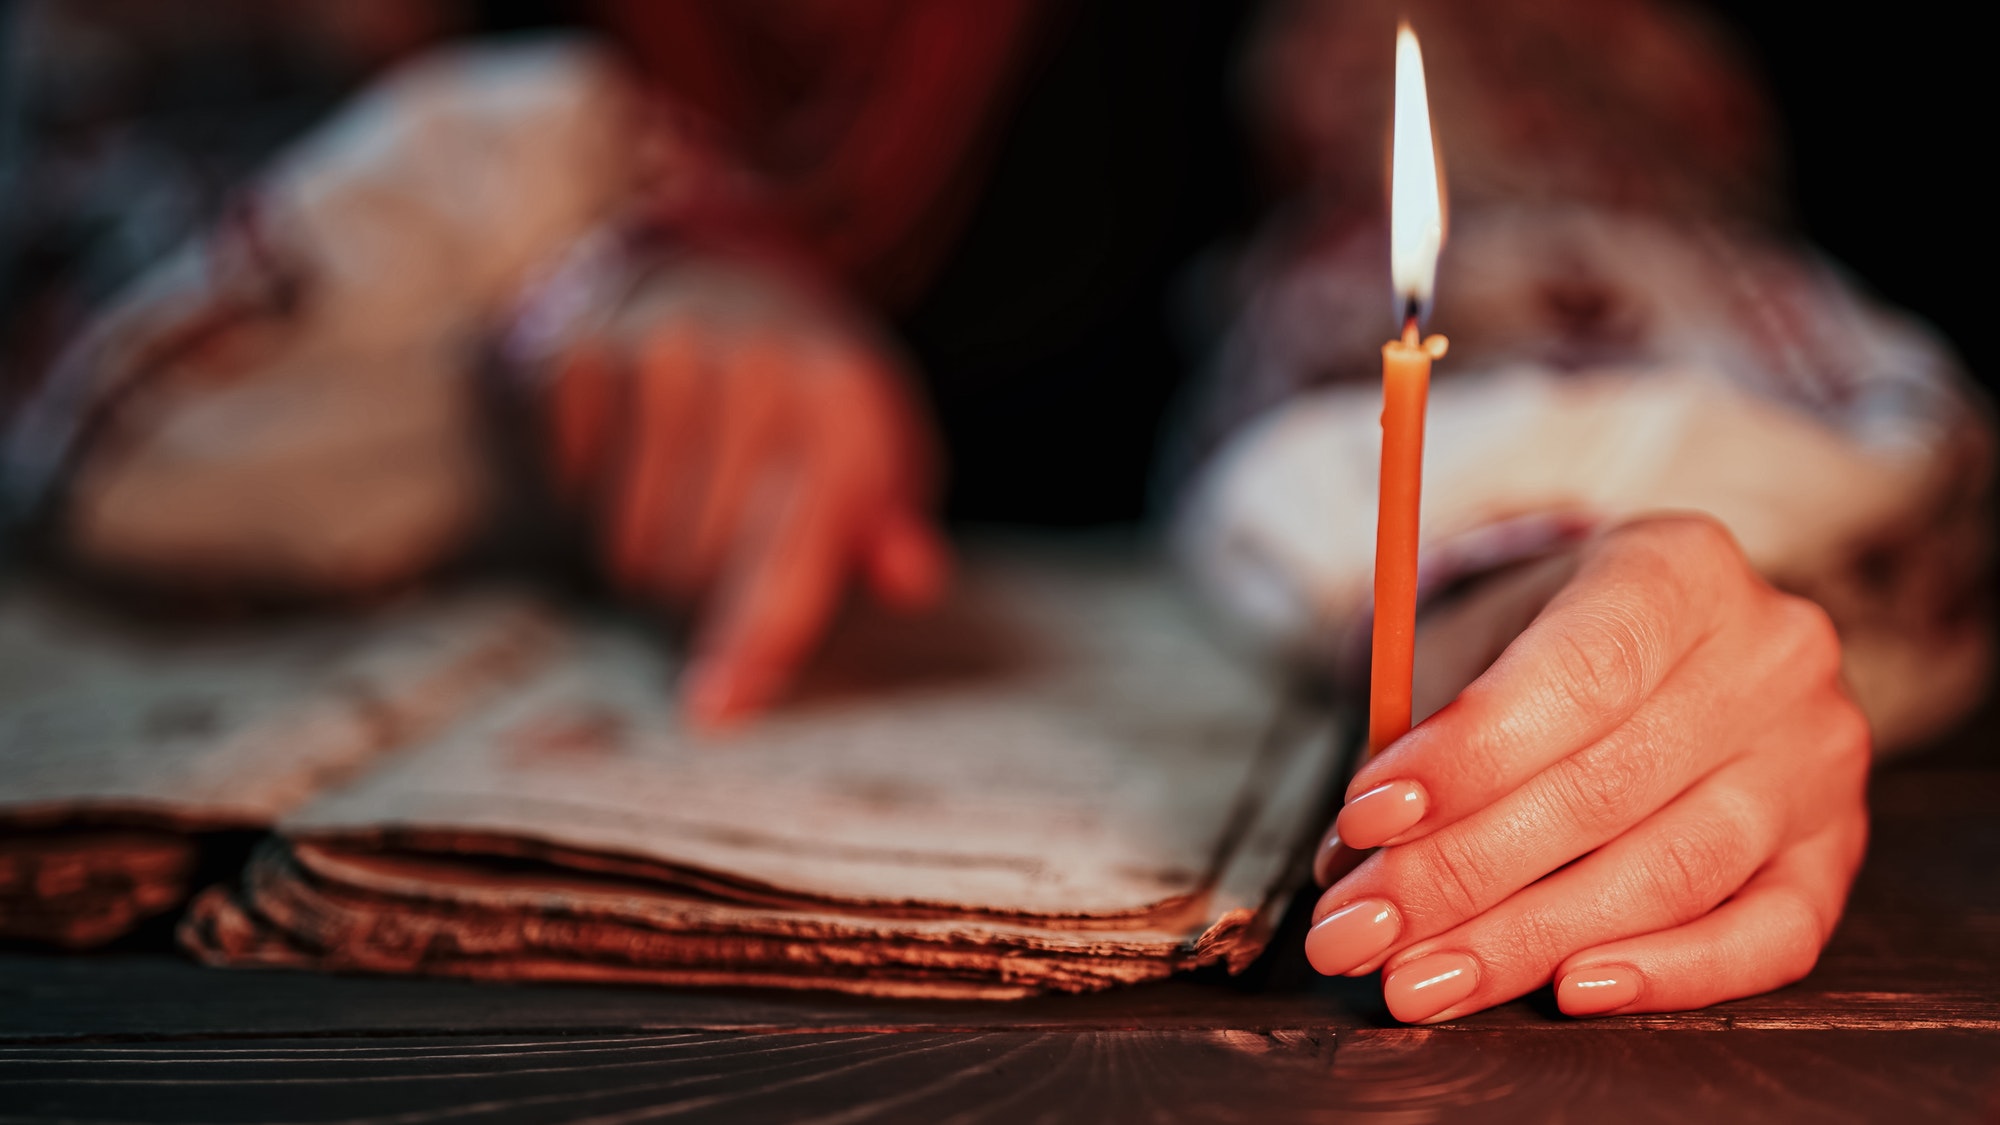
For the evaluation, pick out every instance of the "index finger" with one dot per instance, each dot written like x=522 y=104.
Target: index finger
x=1642 y=599
x=774 y=604
x=793 y=553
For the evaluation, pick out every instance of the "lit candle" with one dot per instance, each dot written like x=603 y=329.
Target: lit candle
x=1416 y=234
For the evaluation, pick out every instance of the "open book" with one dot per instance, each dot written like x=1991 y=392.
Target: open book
x=1055 y=782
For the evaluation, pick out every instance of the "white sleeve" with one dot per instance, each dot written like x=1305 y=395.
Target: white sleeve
x=1860 y=487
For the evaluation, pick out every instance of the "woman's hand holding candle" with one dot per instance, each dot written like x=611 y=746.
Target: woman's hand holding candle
x=1654 y=798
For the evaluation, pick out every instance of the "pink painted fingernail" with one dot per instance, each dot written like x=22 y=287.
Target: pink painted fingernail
x=1352 y=935
x=1426 y=986
x=1382 y=814
x=1593 y=992
x=1334 y=859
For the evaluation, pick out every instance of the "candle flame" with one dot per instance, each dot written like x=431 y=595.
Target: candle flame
x=1416 y=201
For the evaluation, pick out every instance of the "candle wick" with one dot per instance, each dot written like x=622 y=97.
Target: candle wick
x=1412 y=335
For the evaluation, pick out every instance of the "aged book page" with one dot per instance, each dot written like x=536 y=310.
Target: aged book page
x=1057 y=782
x=229 y=726
x=1057 y=743
x=120 y=743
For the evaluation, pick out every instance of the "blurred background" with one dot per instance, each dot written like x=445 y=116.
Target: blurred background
x=1053 y=339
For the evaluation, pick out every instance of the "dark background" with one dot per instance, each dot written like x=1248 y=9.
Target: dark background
x=1887 y=110
x=1887 y=116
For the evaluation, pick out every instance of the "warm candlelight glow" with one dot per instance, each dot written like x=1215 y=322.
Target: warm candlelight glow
x=1416 y=204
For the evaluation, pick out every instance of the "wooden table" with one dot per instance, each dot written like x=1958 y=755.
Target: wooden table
x=1901 y=1022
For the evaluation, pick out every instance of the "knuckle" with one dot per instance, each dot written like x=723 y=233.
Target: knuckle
x=1702 y=536
x=1598 y=793
x=1808 y=638
x=1832 y=737
x=1600 y=661
x=1694 y=868
x=1680 y=875
x=1540 y=937
x=1850 y=743
x=1799 y=930
x=1690 y=560
x=1489 y=740
x=1439 y=874
x=1686 y=537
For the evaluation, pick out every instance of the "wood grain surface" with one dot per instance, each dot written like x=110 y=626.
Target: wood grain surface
x=1900 y=1023
x=1004 y=1076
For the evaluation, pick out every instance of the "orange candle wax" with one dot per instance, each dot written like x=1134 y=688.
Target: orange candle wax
x=1406 y=380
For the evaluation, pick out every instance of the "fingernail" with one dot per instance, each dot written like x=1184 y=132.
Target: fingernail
x=1323 y=858
x=1382 y=814
x=1595 y=991
x=1334 y=859
x=1429 y=985
x=712 y=698
x=1351 y=935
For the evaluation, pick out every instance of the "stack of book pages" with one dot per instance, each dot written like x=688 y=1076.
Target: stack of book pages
x=1057 y=782
x=132 y=758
